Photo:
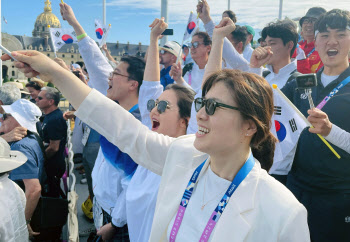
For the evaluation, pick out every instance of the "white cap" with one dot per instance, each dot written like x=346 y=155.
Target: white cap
x=172 y=46
x=25 y=112
x=10 y=159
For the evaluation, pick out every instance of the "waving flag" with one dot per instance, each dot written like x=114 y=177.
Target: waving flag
x=192 y=26
x=101 y=31
x=4 y=20
x=287 y=126
x=60 y=37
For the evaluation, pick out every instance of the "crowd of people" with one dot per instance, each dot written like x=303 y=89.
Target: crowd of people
x=159 y=136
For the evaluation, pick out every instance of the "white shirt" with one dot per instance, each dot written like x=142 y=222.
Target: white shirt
x=13 y=226
x=339 y=137
x=325 y=79
x=213 y=188
x=195 y=77
x=247 y=52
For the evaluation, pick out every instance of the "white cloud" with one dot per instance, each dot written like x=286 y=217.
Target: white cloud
x=256 y=13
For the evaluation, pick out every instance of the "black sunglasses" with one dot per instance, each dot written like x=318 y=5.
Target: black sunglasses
x=161 y=105
x=210 y=105
x=6 y=115
x=40 y=98
x=194 y=44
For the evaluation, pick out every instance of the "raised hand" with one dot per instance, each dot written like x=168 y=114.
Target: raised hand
x=203 y=11
x=225 y=27
x=67 y=13
x=33 y=63
x=176 y=72
x=157 y=27
x=260 y=56
x=320 y=121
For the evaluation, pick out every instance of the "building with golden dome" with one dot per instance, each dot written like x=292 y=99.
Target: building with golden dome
x=41 y=41
x=43 y=20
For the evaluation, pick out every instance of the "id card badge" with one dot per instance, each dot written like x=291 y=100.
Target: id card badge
x=85 y=135
x=98 y=214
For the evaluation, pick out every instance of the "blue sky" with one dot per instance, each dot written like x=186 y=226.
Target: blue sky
x=130 y=18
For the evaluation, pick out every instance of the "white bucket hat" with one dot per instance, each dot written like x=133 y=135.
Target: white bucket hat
x=10 y=159
x=25 y=112
x=172 y=46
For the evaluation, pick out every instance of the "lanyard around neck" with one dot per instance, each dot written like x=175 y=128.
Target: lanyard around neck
x=333 y=92
x=214 y=218
x=312 y=51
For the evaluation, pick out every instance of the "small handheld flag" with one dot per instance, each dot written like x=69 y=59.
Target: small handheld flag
x=101 y=31
x=60 y=37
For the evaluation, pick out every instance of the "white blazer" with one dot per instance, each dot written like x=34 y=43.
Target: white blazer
x=261 y=209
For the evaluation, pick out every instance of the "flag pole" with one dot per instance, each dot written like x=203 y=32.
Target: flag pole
x=53 y=46
x=103 y=41
x=305 y=119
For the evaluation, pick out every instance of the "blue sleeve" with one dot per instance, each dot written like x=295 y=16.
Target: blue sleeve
x=166 y=80
x=28 y=170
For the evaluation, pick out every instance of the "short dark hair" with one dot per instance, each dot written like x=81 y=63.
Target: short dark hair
x=240 y=34
x=52 y=93
x=205 y=36
x=231 y=15
x=135 y=69
x=282 y=29
x=334 y=19
x=254 y=97
x=34 y=85
x=185 y=97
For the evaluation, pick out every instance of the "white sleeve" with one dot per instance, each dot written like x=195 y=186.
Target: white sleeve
x=192 y=124
x=119 y=211
x=339 y=137
x=148 y=90
x=96 y=64
x=122 y=129
x=229 y=53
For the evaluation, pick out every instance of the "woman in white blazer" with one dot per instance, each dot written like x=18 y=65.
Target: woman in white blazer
x=199 y=173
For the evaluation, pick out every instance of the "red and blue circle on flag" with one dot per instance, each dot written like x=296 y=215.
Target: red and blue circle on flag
x=191 y=26
x=280 y=130
x=99 y=33
x=67 y=39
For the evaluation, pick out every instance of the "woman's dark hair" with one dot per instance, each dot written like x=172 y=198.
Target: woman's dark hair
x=205 y=36
x=334 y=19
x=254 y=98
x=34 y=85
x=185 y=98
x=284 y=30
x=231 y=15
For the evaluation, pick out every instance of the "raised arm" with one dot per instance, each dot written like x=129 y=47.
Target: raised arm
x=145 y=147
x=95 y=62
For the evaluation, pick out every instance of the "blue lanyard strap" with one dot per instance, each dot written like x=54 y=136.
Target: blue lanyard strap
x=312 y=51
x=134 y=108
x=333 y=92
x=241 y=175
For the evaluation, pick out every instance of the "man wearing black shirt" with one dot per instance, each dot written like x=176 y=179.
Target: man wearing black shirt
x=54 y=137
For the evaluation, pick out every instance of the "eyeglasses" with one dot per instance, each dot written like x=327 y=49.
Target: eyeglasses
x=39 y=98
x=194 y=44
x=309 y=21
x=210 y=105
x=163 y=52
x=111 y=75
x=5 y=116
x=161 y=105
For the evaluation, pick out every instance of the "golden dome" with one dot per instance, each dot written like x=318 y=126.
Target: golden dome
x=47 y=17
x=44 y=19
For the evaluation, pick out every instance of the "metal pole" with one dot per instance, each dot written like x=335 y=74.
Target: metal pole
x=164 y=13
x=228 y=4
x=280 y=12
x=104 y=12
x=0 y=44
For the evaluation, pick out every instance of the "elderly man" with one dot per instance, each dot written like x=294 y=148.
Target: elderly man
x=23 y=113
x=167 y=57
x=54 y=136
x=9 y=94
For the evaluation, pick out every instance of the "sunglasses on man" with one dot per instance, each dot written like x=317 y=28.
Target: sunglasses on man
x=161 y=105
x=5 y=116
x=163 y=52
x=194 y=44
x=210 y=105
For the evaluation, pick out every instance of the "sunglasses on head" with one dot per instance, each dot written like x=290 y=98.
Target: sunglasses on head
x=6 y=115
x=194 y=44
x=161 y=105
x=210 y=105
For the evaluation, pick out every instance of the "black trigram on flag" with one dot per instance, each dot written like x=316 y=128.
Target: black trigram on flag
x=59 y=43
x=57 y=34
x=95 y=25
x=73 y=33
x=278 y=110
x=104 y=30
x=293 y=125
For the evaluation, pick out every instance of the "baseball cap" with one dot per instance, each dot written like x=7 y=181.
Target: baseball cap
x=172 y=46
x=250 y=31
x=314 y=12
x=10 y=159
x=25 y=112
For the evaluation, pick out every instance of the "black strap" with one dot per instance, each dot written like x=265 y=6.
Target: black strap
x=265 y=73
